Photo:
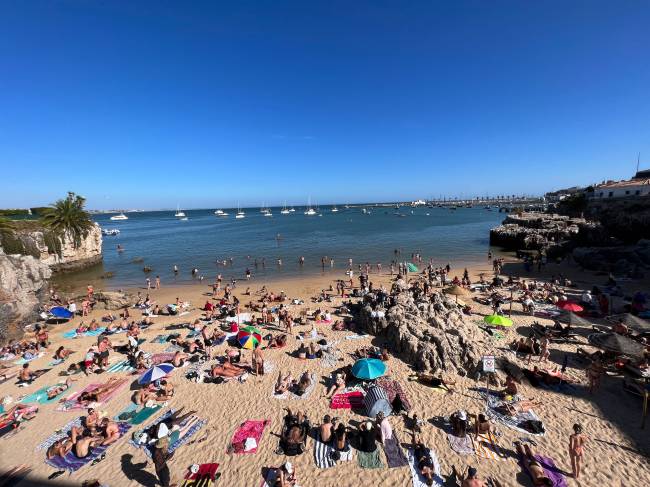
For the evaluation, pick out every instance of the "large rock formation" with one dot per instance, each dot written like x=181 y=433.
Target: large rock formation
x=429 y=333
x=23 y=279
x=629 y=260
x=535 y=231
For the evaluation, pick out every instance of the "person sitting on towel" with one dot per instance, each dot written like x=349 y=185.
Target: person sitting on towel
x=300 y=387
x=384 y=427
x=367 y=437
x=285 y=476
x=292 y=441
x=459 y=424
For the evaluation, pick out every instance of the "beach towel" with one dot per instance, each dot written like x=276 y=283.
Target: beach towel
x=291 y=395
x=40 y=396
x=144 y=414
x=71 y=403
x=161 y=358
x=393 y=389
x=188 y=428
x=93 y=333
x=23 y=361
x=356 y=337
x=35 y=375
x=330 y=359
x=173 y=348
x=56 y=362
x=160 y=339
x=121 y=366
x=58 y=434
x=395 y=456
x=462 y=446
x=418 y=479
x=72 y=463
x=248 y=429
x=347 y=400
x=127 y=413
x=323 y=454
x=513 y=422
x=486 y=447
x=204 y=477
x=369 y=459
x=550 y=469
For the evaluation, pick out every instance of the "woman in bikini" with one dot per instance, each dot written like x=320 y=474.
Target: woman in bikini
x=576 y=449
x=534 y=468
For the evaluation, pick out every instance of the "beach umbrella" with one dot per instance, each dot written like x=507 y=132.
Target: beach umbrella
x=569 y=306
x=368 y=368
x=614 y=342
x=61 y=312
x=455 y=291
x=497 y=320
x=631 y=321
x=249 y=337
x=156 y=372
x=574 y=320
x=412 y=267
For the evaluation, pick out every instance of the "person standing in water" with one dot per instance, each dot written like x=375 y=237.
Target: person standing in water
x=576 y=449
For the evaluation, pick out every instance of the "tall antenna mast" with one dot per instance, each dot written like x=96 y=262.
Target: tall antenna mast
x=638 y=159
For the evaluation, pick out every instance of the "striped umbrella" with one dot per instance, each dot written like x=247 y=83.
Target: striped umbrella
x=249 y=337
x=156 y=372
x=497 y=320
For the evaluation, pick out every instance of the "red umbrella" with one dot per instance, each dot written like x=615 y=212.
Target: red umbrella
x=569 y=306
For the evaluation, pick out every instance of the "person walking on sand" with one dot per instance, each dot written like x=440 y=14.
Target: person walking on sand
x=157 y=282
x=576 y=449
x=148 y=283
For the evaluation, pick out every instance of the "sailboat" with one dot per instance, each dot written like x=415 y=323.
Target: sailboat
x=121 y=216
x=310 y=211
x=335 y=209
x=265 y=210
x=284 y=210
x=240 y=213
x=179 y=213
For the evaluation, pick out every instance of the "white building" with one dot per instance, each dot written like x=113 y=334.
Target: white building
x=621 y=189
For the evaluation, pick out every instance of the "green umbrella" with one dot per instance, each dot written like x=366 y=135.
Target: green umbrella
x=497 y=320
x=368 y=368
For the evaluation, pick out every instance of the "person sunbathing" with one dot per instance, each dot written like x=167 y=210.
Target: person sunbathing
x=300 y=387
x=283 y=383
x=227 y=370
x=425 y=466
x=96 y=395
x=141 y=396
x=179 y=359
x=433 y=381
x=277 y=342
x=515 y=408
x=110 y=431
x=59 y=448
x=336 y=387
x=19 y=412
x=26 y=376
x=54 y=391
x=62 y=353
x=367 y=436
x=285 y=476
x=166 y=391
x=533 y=467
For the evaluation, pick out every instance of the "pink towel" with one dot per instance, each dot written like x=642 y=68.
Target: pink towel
x=347 y=400
x=161 y=358
x=249 y=429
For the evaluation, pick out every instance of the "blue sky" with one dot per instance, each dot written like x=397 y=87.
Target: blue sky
x=150 y=104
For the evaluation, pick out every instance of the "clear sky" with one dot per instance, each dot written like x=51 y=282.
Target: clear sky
x=152 y=104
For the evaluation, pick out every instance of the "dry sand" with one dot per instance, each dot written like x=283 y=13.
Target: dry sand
x=610 y=417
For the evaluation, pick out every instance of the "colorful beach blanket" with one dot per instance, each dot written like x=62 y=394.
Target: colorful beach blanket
x=395 y=456
x=121 y=366
x=58 y=434
x=369 y=459
x=513 y=422
x=93 y=333
x=23 y=361
x=486 y=447
x=204 y=477
x=72 y=463
x=188 y=428
x=249 y=429
x=323 y=454
x=393 y=389
x=347 y=400
x=418 y=479
x=136 y=415
x=71 y=403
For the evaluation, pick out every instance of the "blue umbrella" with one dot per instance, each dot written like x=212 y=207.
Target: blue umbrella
x=61 y=312
x=368 y=368
x=156 y=372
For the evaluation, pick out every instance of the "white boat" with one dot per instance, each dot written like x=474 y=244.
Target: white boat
x=184 y=219
x=284 y=210
x=292 y=210
x=268 y=212
x=310 y=211
x=220 y=213
x=110 y=231
x=121 y=216
x=240 y=214
x=335 y=209
x=179 y=213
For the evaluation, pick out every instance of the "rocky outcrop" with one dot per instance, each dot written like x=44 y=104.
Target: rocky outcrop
x=23 y=279
x=111 y=300
x=429 y=333
x=628 y=260
x=70 y=258
x=536 y=231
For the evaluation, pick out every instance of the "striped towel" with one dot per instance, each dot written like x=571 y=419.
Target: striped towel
x=487 y=448
x=356 y=337
x=347 y=400
x=121 y=366
x=72 y=463
x=510 y=421
x=418 y=479
x=59 y=434
x=323 y=454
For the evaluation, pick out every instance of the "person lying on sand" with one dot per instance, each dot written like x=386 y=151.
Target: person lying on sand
x=227 y=370
x=276 y=342
x=179 y=359
x=57 y=389
x=433 y=381
x=283 y=383
x=336 y=387
x=422 y=458
x=534 y=468
x=513 y=409
x=301 y=386
x=326 y=429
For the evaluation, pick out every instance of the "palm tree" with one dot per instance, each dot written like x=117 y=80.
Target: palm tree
x=67 y=216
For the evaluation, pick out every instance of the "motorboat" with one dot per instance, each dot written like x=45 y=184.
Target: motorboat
x=335 y=209
x=121 y=216
x=220 y=213
x=179 y=213
x=110 y=232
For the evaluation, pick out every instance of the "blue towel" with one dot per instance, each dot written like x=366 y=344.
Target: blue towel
x=94 y=333
x=70 y=461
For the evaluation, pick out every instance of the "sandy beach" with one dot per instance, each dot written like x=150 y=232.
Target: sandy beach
x=616 y=451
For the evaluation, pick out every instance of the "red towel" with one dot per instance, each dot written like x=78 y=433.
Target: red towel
x=347 y=400
x=207 y=472
x=250 y=429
